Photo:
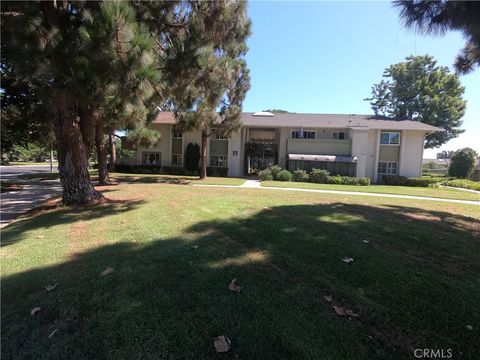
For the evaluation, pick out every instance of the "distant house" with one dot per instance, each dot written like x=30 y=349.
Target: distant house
x=353 y=145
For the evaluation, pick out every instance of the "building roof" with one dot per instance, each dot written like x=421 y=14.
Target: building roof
x=318 y=121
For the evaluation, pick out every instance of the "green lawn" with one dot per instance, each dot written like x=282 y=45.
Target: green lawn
x=147 y=178
x=31 y=163
x=444 y=193
x=175 y=249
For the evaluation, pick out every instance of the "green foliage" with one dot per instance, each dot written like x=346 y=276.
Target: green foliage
x=138 y=169
x=217 y=171
x=423 y=181
x=265 y=174
x=144 y=136
x=394 y=180
x=300 y=176
x=348 y=180
x=275 y=169
x=278 y=111
x=439 y=16
x=30 y=152
x=192 y=157
x=462 y=163
x=284 y=175
x=463 y=183
x=319 y=176
x=419 y=89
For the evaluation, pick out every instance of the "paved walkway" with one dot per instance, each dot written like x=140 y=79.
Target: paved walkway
x=255 y=184
x=16 y=203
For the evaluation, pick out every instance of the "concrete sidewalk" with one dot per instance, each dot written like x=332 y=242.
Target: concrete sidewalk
x=255 y=184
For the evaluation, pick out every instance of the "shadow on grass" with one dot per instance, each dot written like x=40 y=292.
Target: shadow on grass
x=415 y=285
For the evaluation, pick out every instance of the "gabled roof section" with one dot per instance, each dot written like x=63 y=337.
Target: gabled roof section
x=335 y=121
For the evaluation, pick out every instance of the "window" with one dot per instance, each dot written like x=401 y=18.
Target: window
x=338 y=135
x=218 y=160
x=177 y=149
x=216 y=135
x=390 y=138
x=302 y=134
x=151 y=158
x=387 y=167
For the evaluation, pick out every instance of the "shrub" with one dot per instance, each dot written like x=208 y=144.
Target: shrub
x=422 y=181
x=275 y=169
x=217 y=171
x=300 y=175
x=284 y=175
x=265 y=174
x=348 y=180
x=394 y=180
x=192 y=157
x=462 y=163
x=319 y=176
x=173 y=170
x=463 y=183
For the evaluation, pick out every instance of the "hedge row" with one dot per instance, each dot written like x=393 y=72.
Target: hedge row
x=463 y=183
x=169 y=170
x=319 y=176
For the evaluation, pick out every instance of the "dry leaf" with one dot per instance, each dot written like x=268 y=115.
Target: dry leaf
x=35 y=310
x=234 y=287
x=107 y=271
x=366 y=241
x=195 y=247
x=52 y=333
x=351 y=313
x=469 y=327
x=123 y=221
x=221 y=343
x=339 y=310
x=51 y=287
x=328 y=298
x=347 y=260
x=39 y=236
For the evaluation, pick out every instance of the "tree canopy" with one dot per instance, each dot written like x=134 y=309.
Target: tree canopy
x=437 y=17
x=462 y=163
x=420 y=90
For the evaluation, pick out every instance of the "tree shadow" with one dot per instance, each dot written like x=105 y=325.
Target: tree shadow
x=168 y=296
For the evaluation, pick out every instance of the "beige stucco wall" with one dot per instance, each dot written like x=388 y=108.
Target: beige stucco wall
x=411 y=153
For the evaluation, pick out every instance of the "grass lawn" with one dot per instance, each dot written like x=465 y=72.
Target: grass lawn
x=146 y=178
x=175 y=249
x=444 y=193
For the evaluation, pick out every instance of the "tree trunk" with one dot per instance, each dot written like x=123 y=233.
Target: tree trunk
x=113 y=152
x=203 y=157
x=72 y=155
x=103 y=178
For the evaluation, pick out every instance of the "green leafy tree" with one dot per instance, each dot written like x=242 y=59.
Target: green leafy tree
x=462 y=163
x=208 y=92
x=420 y=90
x=278 y=111
x=445 y=155
x=437 y=17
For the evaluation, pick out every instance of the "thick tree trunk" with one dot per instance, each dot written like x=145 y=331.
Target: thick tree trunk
x=72 y=155
x=103 y=178
x=89 y=115
x=113 y=152
x=203 y=156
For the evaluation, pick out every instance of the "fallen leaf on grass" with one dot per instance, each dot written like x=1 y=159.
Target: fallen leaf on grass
x=195 y=247
x=351 y=313
x=469 y=327
x=234 y=287
x=328 y=298
x=347 y=260
x=52 y=333
x=35 y=310
x=107 y=271
x=51 y=287
x=123 y=222
x=366 y=241
x=339 y=310
x=39 y=236
x=221 y=343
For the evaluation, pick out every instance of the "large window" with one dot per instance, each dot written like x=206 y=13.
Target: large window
x=390 y=138
x=151 y=158
x=218 y=160
x=338 y=135
x=303 y=134
x=177 y=149
x=387 y=167
x=218 y=150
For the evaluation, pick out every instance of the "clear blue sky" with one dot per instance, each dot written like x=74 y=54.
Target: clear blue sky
x=323 y=57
